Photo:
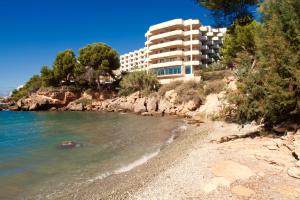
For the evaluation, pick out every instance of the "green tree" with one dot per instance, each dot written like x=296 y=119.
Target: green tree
x=226 y=12
x=101 y=57
x=48 y=78
x=271 y=90
x=242 y=40
x=139 y=81
x=64 y=65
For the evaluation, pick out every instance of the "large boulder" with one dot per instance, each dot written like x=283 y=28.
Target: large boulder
x=140 y=105
x=297 y=144
x=69 y=97
x=165 y=106
x=152 y=104
x=193 y=104
x=133 y=97
x=33 y=106
x=73 y=106
x=171 y=96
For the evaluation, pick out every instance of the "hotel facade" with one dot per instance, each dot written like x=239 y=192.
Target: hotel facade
x=176 y=49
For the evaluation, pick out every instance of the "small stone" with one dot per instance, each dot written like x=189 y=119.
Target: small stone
x=272 y=147
x=240 y=190
x=294 y=172
x=67 y=145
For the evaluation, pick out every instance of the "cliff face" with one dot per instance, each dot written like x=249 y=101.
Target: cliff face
x=169 y=103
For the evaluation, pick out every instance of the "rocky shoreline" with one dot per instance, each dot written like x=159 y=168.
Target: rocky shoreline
x=153 y=105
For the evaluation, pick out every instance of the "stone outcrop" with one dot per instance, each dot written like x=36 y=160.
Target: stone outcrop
x=73 y=106
x=47 y=99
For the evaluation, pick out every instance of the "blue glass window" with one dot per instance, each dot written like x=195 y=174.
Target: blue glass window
x=188 y=69
x=168 y=70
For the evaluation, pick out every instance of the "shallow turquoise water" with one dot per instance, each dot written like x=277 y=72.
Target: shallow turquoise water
x=32 y=166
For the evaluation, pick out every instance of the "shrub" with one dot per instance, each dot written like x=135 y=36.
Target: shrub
x=143 y=81
x=214 y=87
x=31 y=86
x=84 y=102
x=186 y=91
x=215 y=75
x=167 y=87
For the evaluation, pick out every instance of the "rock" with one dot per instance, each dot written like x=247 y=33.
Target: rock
x=212 y=107
x=192 y=105
x=231 y=170
x=69 y=145
x=69 y=97
x=33 y=106
x=164 y=106
x=53 y=109
x=1 y=109
x=152 y=104
x=75 y=107
x=140 y=106
x=240 y=190
x=232 y=85
x=14 y=108
x=298 y=163
x=296 y=144
x=171 y=96
x=294 y=172
x=133 y=97
x=146 y=114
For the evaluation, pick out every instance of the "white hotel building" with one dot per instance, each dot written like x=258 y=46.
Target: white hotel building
x=176 y=49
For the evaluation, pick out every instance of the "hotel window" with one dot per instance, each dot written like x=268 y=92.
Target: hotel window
x=188 y=70
x=168 y=70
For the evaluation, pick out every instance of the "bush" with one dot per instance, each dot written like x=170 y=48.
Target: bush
x=186 y=91
x=84 y=102
x=215 y=75
x=143 y=81
x=31 y=86
x=214 y=87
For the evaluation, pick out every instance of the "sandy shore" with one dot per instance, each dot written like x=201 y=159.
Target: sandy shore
x=193 y=167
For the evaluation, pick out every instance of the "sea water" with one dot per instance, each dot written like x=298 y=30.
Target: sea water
x=33 y=166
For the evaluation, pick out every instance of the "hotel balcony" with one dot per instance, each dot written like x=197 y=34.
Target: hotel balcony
x=166 y=64
x=215 y=38
x=193 y=52
x=166 y=54
x=166 y=24
x=191 y=32
x=166 y=35
x=210 y=34
x=193 y=62
x=166 y=44
x=191 y=42
x=203 y=29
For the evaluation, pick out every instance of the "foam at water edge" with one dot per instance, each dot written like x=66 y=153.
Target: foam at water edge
x=128 y=167
x=137 y=163
x=143 y=159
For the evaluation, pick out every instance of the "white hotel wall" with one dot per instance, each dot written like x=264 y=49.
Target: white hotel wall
x=174 y=49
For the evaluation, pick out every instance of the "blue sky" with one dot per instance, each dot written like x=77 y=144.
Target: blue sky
x=33 y=31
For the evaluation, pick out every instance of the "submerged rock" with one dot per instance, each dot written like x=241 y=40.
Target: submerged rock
x=69 y=145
